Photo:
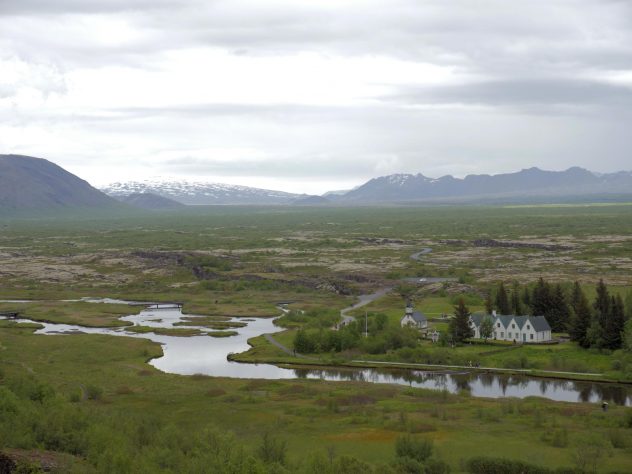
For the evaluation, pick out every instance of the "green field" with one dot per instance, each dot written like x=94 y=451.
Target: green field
x=312 y=417
x=93 y=401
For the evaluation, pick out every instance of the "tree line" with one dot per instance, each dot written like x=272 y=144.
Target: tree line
x=600 y=324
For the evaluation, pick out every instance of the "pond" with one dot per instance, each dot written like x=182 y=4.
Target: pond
x=207 y=355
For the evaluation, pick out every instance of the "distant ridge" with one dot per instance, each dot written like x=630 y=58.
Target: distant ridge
x=187 y=192
x=312 y=201
x=150 y=201
x=35 y=184
x=528 y=183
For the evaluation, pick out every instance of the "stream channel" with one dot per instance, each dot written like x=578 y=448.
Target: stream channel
x=207 y=355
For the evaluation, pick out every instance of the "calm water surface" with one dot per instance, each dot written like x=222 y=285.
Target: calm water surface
x=207 y=355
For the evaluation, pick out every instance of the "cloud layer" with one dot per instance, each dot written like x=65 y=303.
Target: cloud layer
x=311 y=94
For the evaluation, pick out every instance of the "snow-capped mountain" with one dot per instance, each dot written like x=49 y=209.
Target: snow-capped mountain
x=189 y=192
x=528 y=183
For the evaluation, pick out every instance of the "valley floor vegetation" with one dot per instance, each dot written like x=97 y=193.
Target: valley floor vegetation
x=91 y=403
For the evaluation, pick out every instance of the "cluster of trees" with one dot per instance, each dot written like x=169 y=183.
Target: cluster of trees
x=382 y=337
x=599 y=324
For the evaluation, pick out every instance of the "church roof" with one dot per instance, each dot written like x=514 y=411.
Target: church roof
x=417 y=316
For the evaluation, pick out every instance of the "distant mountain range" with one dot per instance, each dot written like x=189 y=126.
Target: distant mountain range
x=528 y=183
x=403 y=188
x=35 y=184
x=187 y=192
x=150 y=201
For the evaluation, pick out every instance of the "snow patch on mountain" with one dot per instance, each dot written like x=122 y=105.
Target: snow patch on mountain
x=192 y=192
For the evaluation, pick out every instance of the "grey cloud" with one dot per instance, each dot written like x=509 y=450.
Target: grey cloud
x=47 y=7
x=487 y=37
x=543 y=95
x=295 y=166
x=511 y=57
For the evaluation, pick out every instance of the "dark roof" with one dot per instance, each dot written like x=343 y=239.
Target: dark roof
x=505 y=319
x=539 y=323
x=520 y=320
x=417 y=316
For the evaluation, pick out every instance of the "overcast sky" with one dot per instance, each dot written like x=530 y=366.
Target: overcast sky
x=315 y=95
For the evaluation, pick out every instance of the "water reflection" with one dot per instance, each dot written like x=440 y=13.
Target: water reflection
x=207 y=355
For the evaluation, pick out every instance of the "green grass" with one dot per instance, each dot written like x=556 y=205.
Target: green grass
x=222 y=333
x=79 y=313
x=178 y=332
x=359 y=419
x=8 y=324
x=259 y=256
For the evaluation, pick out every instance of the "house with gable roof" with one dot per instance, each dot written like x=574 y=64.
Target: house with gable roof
x=414 y=318
x=522 y=329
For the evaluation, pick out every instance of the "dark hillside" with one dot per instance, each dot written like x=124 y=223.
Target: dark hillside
x=35 y=184
x=150 y=201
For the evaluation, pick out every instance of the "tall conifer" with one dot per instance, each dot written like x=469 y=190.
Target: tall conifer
x=502 y=300
x=541 y=298
x=516 y=305
x=580 y=320
x=526 y=299
x=489 y=304
x=557 y=312
x=598 y=328
x=613 y=329
x=460 y=324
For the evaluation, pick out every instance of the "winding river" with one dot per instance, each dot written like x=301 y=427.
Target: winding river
x=207 y=355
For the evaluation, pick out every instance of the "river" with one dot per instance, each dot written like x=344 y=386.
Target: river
x=208 y=355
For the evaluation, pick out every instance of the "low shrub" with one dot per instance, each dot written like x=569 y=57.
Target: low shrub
x=272 y=450
x=408 y=447
x=94 y=392
x=488 y=465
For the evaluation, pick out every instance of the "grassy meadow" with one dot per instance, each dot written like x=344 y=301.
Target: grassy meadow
x=223 y=262
x=108 y=378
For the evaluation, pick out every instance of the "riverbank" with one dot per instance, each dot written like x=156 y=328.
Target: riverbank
x=311 y=417
x=263 y=351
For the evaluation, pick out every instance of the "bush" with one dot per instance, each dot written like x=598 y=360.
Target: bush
x=560 y=438
x=417 y=449
x=487 y=465
x=94 y=392
x=434 y=466
x=350 y=465
x=406 y=465
x=618 y=439
x=272 y=450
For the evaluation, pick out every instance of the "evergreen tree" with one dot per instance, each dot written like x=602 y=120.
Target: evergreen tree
x=460 y=324
x=541 y=298
x=557 y=313
x=526 y=298
x=615 y=324
x=594 y=335
x=502 y=300
x=627 y=336
x=628 y=305
x=602 y=314
x=516 y=305
x=489 y=305
x=581 y=316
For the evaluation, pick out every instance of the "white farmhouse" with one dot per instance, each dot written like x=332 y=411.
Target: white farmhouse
x=414 y=318
x=522 y=329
